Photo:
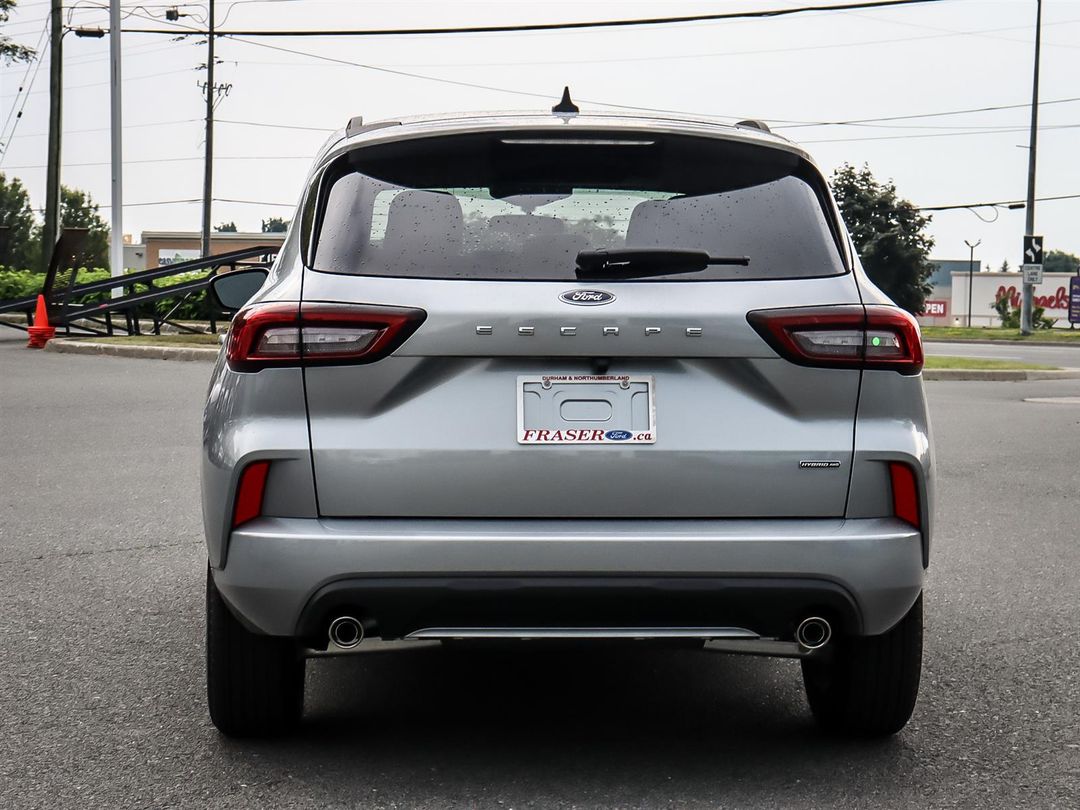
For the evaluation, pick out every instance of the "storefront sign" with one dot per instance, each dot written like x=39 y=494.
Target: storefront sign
x=1058 y=299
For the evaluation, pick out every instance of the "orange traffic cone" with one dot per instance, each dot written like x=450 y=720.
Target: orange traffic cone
x=40 y=333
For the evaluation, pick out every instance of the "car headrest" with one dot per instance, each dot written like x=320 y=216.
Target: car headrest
x=647 y=225
x=424 y=223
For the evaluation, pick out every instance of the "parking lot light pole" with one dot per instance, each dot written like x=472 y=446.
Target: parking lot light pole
x=971 y=273
x=208 y=158
x=51 y=230
x=1029 y=230
x=116 y=243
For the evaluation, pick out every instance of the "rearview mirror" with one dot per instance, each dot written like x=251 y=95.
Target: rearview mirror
x=233 y=290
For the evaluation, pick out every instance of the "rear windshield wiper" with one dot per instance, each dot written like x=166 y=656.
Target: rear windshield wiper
x=645 y=262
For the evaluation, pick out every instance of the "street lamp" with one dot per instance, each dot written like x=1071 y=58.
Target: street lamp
x=971 y=273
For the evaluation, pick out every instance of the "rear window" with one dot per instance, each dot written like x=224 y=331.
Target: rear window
x=521 y=206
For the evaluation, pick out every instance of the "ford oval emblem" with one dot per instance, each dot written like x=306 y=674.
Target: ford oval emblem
x=587 y=298
x=617 y=435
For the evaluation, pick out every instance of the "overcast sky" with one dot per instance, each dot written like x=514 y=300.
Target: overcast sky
x=833 y=66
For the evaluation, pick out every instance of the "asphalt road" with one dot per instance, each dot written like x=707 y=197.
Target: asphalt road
x=1062 y=356
x=101 y=669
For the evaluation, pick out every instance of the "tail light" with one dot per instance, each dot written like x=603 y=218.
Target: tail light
x=249 y=492
x=905 y=493
x=289 y=334
x=873 y=337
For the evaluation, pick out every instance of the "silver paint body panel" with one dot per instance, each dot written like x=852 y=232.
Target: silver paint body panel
x=276 y=564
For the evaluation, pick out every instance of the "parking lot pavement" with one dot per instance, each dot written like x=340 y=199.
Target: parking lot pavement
x=101 y=680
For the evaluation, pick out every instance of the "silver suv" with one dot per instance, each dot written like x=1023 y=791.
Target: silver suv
x=566 y=377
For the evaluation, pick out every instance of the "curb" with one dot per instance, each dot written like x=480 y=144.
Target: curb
x=979 y=342
x=145 y=324
x=998 y=375
x=189 y=353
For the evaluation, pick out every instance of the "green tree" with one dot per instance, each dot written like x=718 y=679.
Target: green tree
x=9 y=51
x=275 y=225
x=19 y=244
x=1004 y=267
x=889 y=234
x=77 y=210
x=1060 y=261
x=226 y=227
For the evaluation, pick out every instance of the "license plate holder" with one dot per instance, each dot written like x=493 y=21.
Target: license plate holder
x=586 y=409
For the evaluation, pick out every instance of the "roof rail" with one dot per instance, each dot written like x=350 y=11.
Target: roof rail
x=753 y=123
x=356 y=125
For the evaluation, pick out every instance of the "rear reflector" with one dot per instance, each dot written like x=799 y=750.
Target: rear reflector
x=289 y=334
x=852 y=336
x=249 y=492
x=905 y=493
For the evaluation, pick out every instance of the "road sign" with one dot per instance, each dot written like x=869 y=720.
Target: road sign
x=1033 y=250
x=1033 y=273
x=1074 y=299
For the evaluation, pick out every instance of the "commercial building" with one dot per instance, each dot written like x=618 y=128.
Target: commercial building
x=947 y=304
x=160 y=248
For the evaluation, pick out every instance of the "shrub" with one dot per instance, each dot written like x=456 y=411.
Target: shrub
x=1010 y=315
x=23 y=284
x=19 y=283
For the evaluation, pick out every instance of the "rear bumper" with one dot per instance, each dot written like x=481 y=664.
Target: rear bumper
x=286 y=577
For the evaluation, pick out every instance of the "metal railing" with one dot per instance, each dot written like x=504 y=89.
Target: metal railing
x=68 y=309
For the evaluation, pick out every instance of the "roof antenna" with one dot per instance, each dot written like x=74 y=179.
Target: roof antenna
x=566 y=105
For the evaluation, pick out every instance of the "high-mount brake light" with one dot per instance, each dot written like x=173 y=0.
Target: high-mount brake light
x=273 y=335
x=849 y=336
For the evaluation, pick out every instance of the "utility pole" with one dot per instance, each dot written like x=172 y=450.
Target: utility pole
x=208 y=160
x=56 y=89
x=1029 y=226
x=116 y=234
x=971 y=273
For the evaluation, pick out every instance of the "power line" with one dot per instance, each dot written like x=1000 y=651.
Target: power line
x=126 y=79
x=953 y=207
x=255 y=202
x=405 y=73
x=24 y=85
x=191 y=201
x=273 y=126
x=912 y=136
x=782 y=123
x=1025 y=105
x=998 y=204
x=171 y=160
x=96 y=206
x=134 y=52
x=106 y=129
x=562 y=26
x=728 y=54
x=472 y=85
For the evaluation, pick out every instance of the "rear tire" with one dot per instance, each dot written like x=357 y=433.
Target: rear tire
x=869 y=685
x=254 y=683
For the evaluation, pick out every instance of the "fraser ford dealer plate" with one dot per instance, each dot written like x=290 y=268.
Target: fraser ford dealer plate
x=585 y=409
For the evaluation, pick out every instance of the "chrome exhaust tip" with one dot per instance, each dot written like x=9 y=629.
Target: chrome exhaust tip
x=813 y=633
x=346 y=632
